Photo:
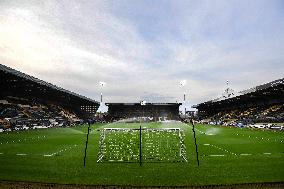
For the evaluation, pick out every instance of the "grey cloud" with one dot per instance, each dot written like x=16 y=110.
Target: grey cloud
x=76 y=45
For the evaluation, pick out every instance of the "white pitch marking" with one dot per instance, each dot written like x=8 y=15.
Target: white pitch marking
x=223 y=149
x=1 y=153
x=21 y=154
x=245 y=154
x=267 y=153
x=206 y=144
x=48 y=155
x=217 y=155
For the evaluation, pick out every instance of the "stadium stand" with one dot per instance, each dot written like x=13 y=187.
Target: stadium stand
x=27 y=102
x=149 y=111
x=261 y=104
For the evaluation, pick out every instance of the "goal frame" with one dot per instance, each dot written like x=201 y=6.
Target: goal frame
x=140 y=131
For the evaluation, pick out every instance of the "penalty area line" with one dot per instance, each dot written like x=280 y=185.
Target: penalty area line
x=216 y=155
x=60 y=151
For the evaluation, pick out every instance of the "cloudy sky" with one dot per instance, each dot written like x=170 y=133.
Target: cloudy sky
x=142 y=49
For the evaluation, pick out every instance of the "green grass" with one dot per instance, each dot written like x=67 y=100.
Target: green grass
x=227 y=156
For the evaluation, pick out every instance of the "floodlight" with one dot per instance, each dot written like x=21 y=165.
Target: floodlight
x=102 y=83
x=183 y=82
x=143 y=102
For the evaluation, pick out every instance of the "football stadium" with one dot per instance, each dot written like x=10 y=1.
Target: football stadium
x=51 y=135
x=141 y=94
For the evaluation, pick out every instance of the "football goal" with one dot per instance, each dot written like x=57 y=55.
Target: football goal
x=142 y=145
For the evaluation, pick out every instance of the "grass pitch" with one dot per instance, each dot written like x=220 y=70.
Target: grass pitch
x=227 y=156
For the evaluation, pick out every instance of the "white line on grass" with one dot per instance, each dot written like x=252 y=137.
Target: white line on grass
x=267 y=153
x=217 y=155
x=1 y=153
x=222 y=149
x=245 y=154
x=21 y=154
x=49 y=155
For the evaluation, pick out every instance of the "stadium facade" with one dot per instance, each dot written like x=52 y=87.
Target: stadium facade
x=151 y=110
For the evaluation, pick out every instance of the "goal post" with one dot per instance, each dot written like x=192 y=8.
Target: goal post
x=125 y=145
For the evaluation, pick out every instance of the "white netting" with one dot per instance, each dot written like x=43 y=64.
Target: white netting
x=158 y=145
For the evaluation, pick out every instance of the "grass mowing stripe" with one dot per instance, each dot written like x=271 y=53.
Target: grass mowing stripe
x=67 y=166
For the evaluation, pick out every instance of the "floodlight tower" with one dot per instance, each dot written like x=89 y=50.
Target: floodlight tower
x=227 y=89
x=182 y=84
x=102 y=84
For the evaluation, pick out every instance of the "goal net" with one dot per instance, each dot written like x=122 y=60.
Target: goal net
x=155 y=145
